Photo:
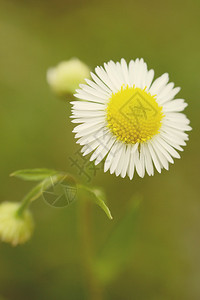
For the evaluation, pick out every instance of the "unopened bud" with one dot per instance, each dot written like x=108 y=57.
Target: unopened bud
x=65 y=78
x=15 y=228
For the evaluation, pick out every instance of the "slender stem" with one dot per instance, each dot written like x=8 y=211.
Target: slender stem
x=27 y=200
x=94 y=287
x=37 y=191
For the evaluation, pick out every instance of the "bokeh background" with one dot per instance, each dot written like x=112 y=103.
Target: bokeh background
x=35 y=131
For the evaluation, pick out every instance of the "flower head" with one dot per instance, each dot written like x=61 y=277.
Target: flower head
x=15 y=229
x=129 y=120
x=65 y=78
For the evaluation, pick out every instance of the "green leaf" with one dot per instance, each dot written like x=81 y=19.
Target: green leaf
x=41 y=187
x=97 y=196
x=34 y=174
x=118 y=249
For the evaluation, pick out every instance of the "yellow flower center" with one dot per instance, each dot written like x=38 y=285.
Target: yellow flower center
x=133 y=115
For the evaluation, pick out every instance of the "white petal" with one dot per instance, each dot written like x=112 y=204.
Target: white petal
x=147 y=159
x=116 y=146
x=131 y=72
x=137 y=67
x=100 y=83
x=134 y=72
x=168 y=148
x=131 y=167
x=117 y=73
x=117 y=76
x=93 y=92
x=169 y=96
x=98 y=87
x=167 y=89
x=112 y=77
x=85 y=105
x=176 y=125
x=159 y=84
x=155 y=159
x=86 y=126
x=175 y=132
x=173 y=141
x=88 y=120
x=87 y=113
x=149 y=79
x=126 y=161
x=139 y=164
x=125 y=71
x=89 y=147
x=163 y=160
x=104 y=144
x=162 y=150
x=89 y=138
x=90 y=131
x=116 y=158
x=175 y=105
x=91 y=98
x=141 y=74
x=105 y=78
x=104 y=151
x=144 y=76
x=176 y=116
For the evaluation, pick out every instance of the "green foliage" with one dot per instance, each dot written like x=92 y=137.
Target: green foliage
x=119 y=246
x=48 y=178
x=33 y=174
x=97 y=196
x=45 y=184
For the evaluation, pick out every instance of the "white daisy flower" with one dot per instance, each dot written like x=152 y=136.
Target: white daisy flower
x=128 y=120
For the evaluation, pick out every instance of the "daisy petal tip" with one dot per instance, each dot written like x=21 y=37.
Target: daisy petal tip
x=105 y=168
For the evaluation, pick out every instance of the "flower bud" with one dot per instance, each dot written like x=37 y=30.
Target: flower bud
x=15 y=229
x=65 y=78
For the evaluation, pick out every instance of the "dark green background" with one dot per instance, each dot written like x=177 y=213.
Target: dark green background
x=35 y=132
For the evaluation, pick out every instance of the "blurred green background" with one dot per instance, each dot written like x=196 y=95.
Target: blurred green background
x=35 y=131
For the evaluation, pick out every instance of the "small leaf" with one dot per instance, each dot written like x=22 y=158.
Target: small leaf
x=33 y=174
x=118 y=249
x=43 y=186
x=97 y=196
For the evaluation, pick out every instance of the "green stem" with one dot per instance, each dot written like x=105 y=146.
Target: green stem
x=37 y=191
x=94 y=287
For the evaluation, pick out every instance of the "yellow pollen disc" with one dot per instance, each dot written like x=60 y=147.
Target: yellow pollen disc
x=133 y=115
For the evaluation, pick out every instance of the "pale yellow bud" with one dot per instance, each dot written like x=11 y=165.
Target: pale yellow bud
x=15 y=229
x=65 y=78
